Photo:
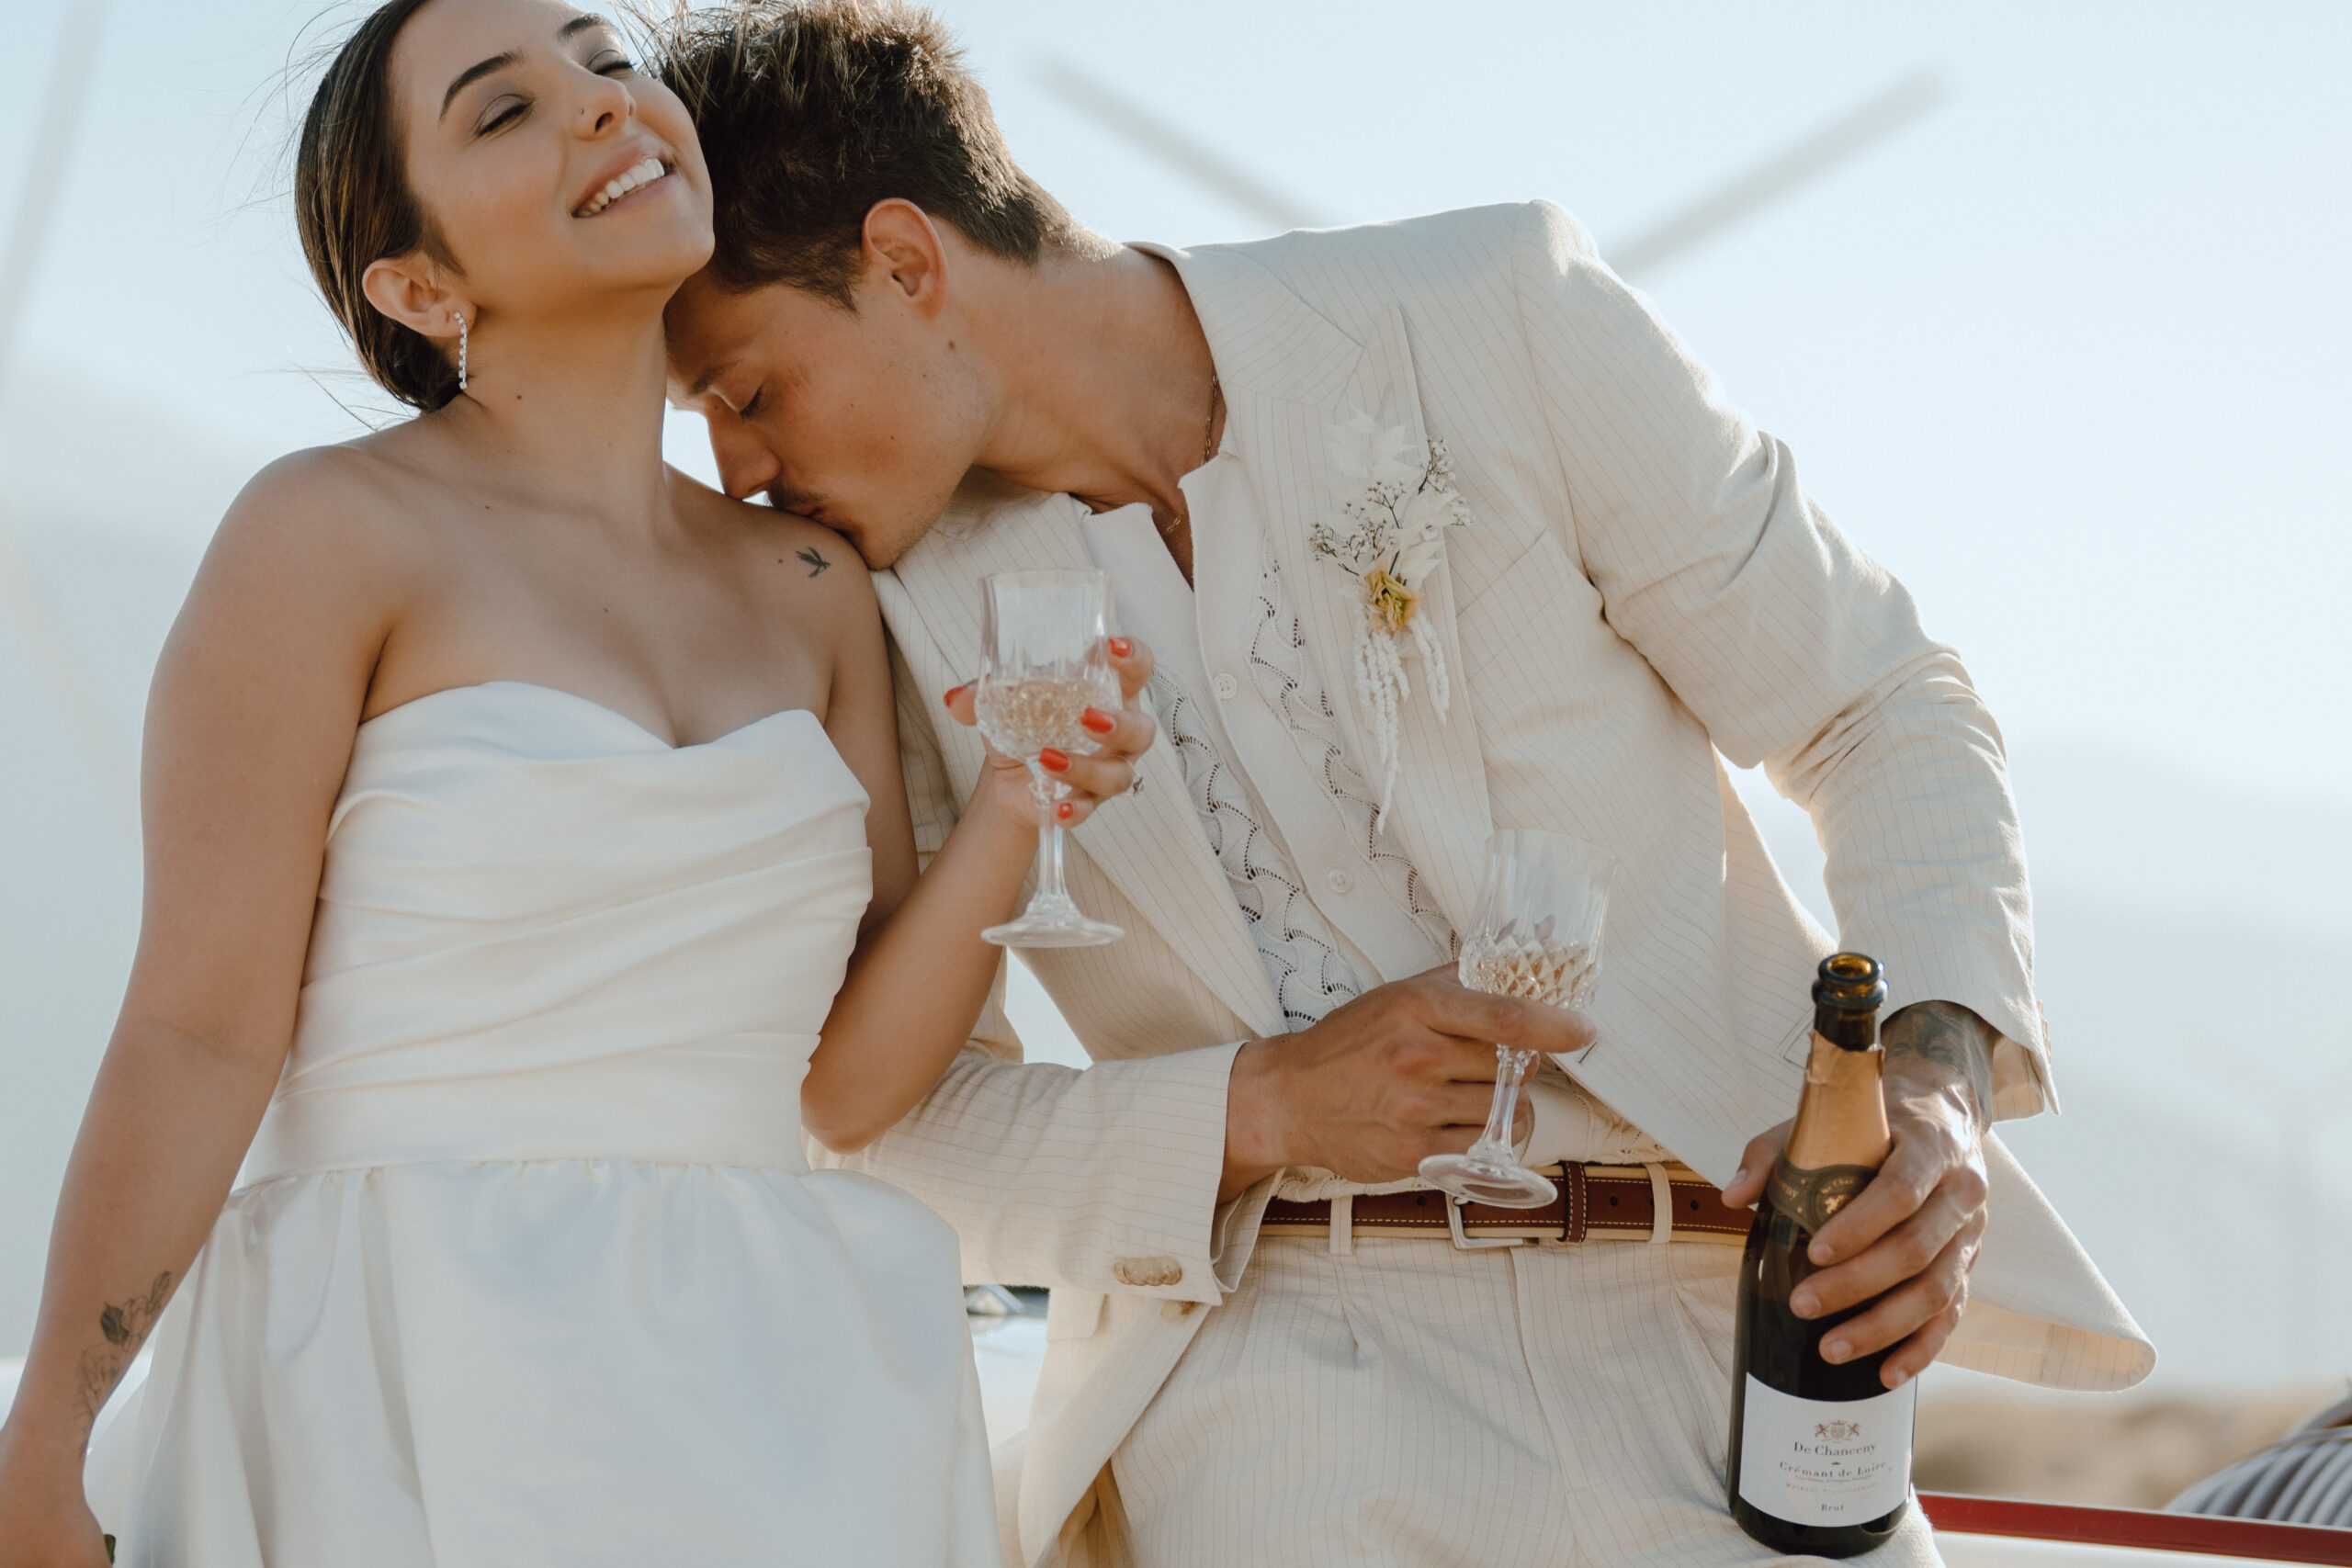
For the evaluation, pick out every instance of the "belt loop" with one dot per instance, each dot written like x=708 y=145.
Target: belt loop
x=1343 y=1225
x=1573 y=1210
x=1661 y=1205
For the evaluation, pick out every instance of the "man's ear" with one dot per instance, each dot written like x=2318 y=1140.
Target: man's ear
x=904 y=251
x=409 y=289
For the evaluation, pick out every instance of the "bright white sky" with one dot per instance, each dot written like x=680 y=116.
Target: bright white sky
x=2068 y=354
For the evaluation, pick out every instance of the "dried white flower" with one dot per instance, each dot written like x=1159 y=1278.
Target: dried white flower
x=1393 y=541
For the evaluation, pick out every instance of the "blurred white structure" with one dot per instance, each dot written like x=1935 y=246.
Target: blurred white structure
x=2067 y=353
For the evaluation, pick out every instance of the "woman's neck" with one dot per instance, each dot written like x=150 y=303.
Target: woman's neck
x=567 y=416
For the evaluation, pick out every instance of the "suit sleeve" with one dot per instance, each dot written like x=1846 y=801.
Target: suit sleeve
x=1793 y=647
x=1104 y=1178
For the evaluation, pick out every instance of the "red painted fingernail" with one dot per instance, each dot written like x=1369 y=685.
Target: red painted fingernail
x=1120 y=647
x=1098 y=721
x=953 y=693
x=1065 y=810
x=1054 y=760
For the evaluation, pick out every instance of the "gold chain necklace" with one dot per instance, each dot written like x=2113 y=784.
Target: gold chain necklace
x=1208 y=444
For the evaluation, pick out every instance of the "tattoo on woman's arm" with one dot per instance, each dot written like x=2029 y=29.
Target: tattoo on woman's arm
x=125 y=1325
x=1950 y=1035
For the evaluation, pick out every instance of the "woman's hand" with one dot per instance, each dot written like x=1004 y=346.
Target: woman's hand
x=44 y=1522
x=1121 y=738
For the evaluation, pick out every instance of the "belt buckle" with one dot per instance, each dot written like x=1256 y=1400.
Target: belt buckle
x=1462 y=1242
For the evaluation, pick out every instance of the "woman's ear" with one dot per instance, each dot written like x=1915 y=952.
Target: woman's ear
x=409 y=290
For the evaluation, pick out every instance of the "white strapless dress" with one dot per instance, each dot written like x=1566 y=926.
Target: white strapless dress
x=525 y=1267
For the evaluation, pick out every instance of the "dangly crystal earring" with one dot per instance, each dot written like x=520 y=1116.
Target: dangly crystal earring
x=461 y=350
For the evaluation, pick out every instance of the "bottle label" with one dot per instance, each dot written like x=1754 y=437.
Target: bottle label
x=1822 y=1461
x=1809 y=1197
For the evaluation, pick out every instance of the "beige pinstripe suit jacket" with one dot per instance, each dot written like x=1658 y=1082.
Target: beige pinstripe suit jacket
x=1644 y=586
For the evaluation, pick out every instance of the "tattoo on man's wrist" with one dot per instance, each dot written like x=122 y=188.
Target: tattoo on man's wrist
x=1951 y=1035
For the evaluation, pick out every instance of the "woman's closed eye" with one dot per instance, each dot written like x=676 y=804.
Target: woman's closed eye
x=500 y=113
x=506 y=109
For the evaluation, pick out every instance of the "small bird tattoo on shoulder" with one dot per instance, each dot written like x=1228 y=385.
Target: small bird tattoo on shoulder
x=817 y=563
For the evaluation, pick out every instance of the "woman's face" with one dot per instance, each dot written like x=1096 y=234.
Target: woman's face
x=556 y=175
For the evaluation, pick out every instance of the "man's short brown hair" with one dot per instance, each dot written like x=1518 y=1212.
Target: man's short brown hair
x=810 y=111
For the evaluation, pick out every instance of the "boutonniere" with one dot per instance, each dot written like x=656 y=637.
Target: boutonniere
x=1391 y=545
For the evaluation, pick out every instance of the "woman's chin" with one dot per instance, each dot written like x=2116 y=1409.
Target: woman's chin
x=649 y=246
x=651 y=259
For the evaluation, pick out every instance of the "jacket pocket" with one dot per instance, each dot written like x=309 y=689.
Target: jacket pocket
x=1539 y=587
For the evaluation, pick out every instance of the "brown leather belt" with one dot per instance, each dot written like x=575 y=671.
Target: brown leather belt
x=1594 y=1203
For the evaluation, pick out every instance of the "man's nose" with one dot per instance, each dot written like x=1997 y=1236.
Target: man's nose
x=745 y=464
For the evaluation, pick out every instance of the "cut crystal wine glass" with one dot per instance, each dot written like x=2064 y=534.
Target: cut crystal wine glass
x=1537 y=935
x=1044 y=661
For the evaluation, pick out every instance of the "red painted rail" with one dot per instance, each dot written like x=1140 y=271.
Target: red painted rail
x=2144 y=1528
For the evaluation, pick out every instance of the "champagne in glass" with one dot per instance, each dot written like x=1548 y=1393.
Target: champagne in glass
x=1537 y=936
x=1044 y=663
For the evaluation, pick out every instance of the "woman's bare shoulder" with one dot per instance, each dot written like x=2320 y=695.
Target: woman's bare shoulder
x=317 y=545
x=801 y=567
x=321 y=504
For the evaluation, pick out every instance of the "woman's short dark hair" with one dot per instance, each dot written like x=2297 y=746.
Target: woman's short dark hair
x=353 y=207
x=810 y=111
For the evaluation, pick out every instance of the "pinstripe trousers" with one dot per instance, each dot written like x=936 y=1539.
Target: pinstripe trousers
x=1409 y=1405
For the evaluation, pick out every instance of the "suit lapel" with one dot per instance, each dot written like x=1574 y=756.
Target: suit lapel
x=1442 y=815
x=1149 y=843
x=1289 y=374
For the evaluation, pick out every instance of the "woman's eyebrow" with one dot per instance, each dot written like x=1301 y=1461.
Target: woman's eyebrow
x=475 y=72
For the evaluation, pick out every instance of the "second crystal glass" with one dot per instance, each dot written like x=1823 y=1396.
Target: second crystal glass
x=1538 y=936
x=1044 y=661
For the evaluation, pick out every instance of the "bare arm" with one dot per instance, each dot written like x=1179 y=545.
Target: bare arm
x=922 y=974
x=249 y=729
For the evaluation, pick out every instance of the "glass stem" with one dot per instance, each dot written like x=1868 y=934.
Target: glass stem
x=1510 y=1071
x=1048 y=792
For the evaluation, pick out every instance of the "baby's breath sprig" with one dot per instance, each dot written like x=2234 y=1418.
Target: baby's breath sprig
x=1393 y=544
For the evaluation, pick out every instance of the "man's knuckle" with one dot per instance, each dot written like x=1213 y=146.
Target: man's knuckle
x=1414 y=1057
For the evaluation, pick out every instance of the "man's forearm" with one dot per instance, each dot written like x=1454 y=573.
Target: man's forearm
x=1942 y=1045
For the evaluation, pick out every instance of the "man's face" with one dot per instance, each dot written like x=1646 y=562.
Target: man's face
x=863 y=419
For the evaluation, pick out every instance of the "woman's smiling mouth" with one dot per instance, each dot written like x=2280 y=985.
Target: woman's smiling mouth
x=637 y=176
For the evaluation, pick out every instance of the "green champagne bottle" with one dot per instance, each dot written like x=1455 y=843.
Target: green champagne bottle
x=1820 y=1453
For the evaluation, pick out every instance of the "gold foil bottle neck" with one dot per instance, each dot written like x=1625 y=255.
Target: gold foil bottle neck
x=1841 y=1119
